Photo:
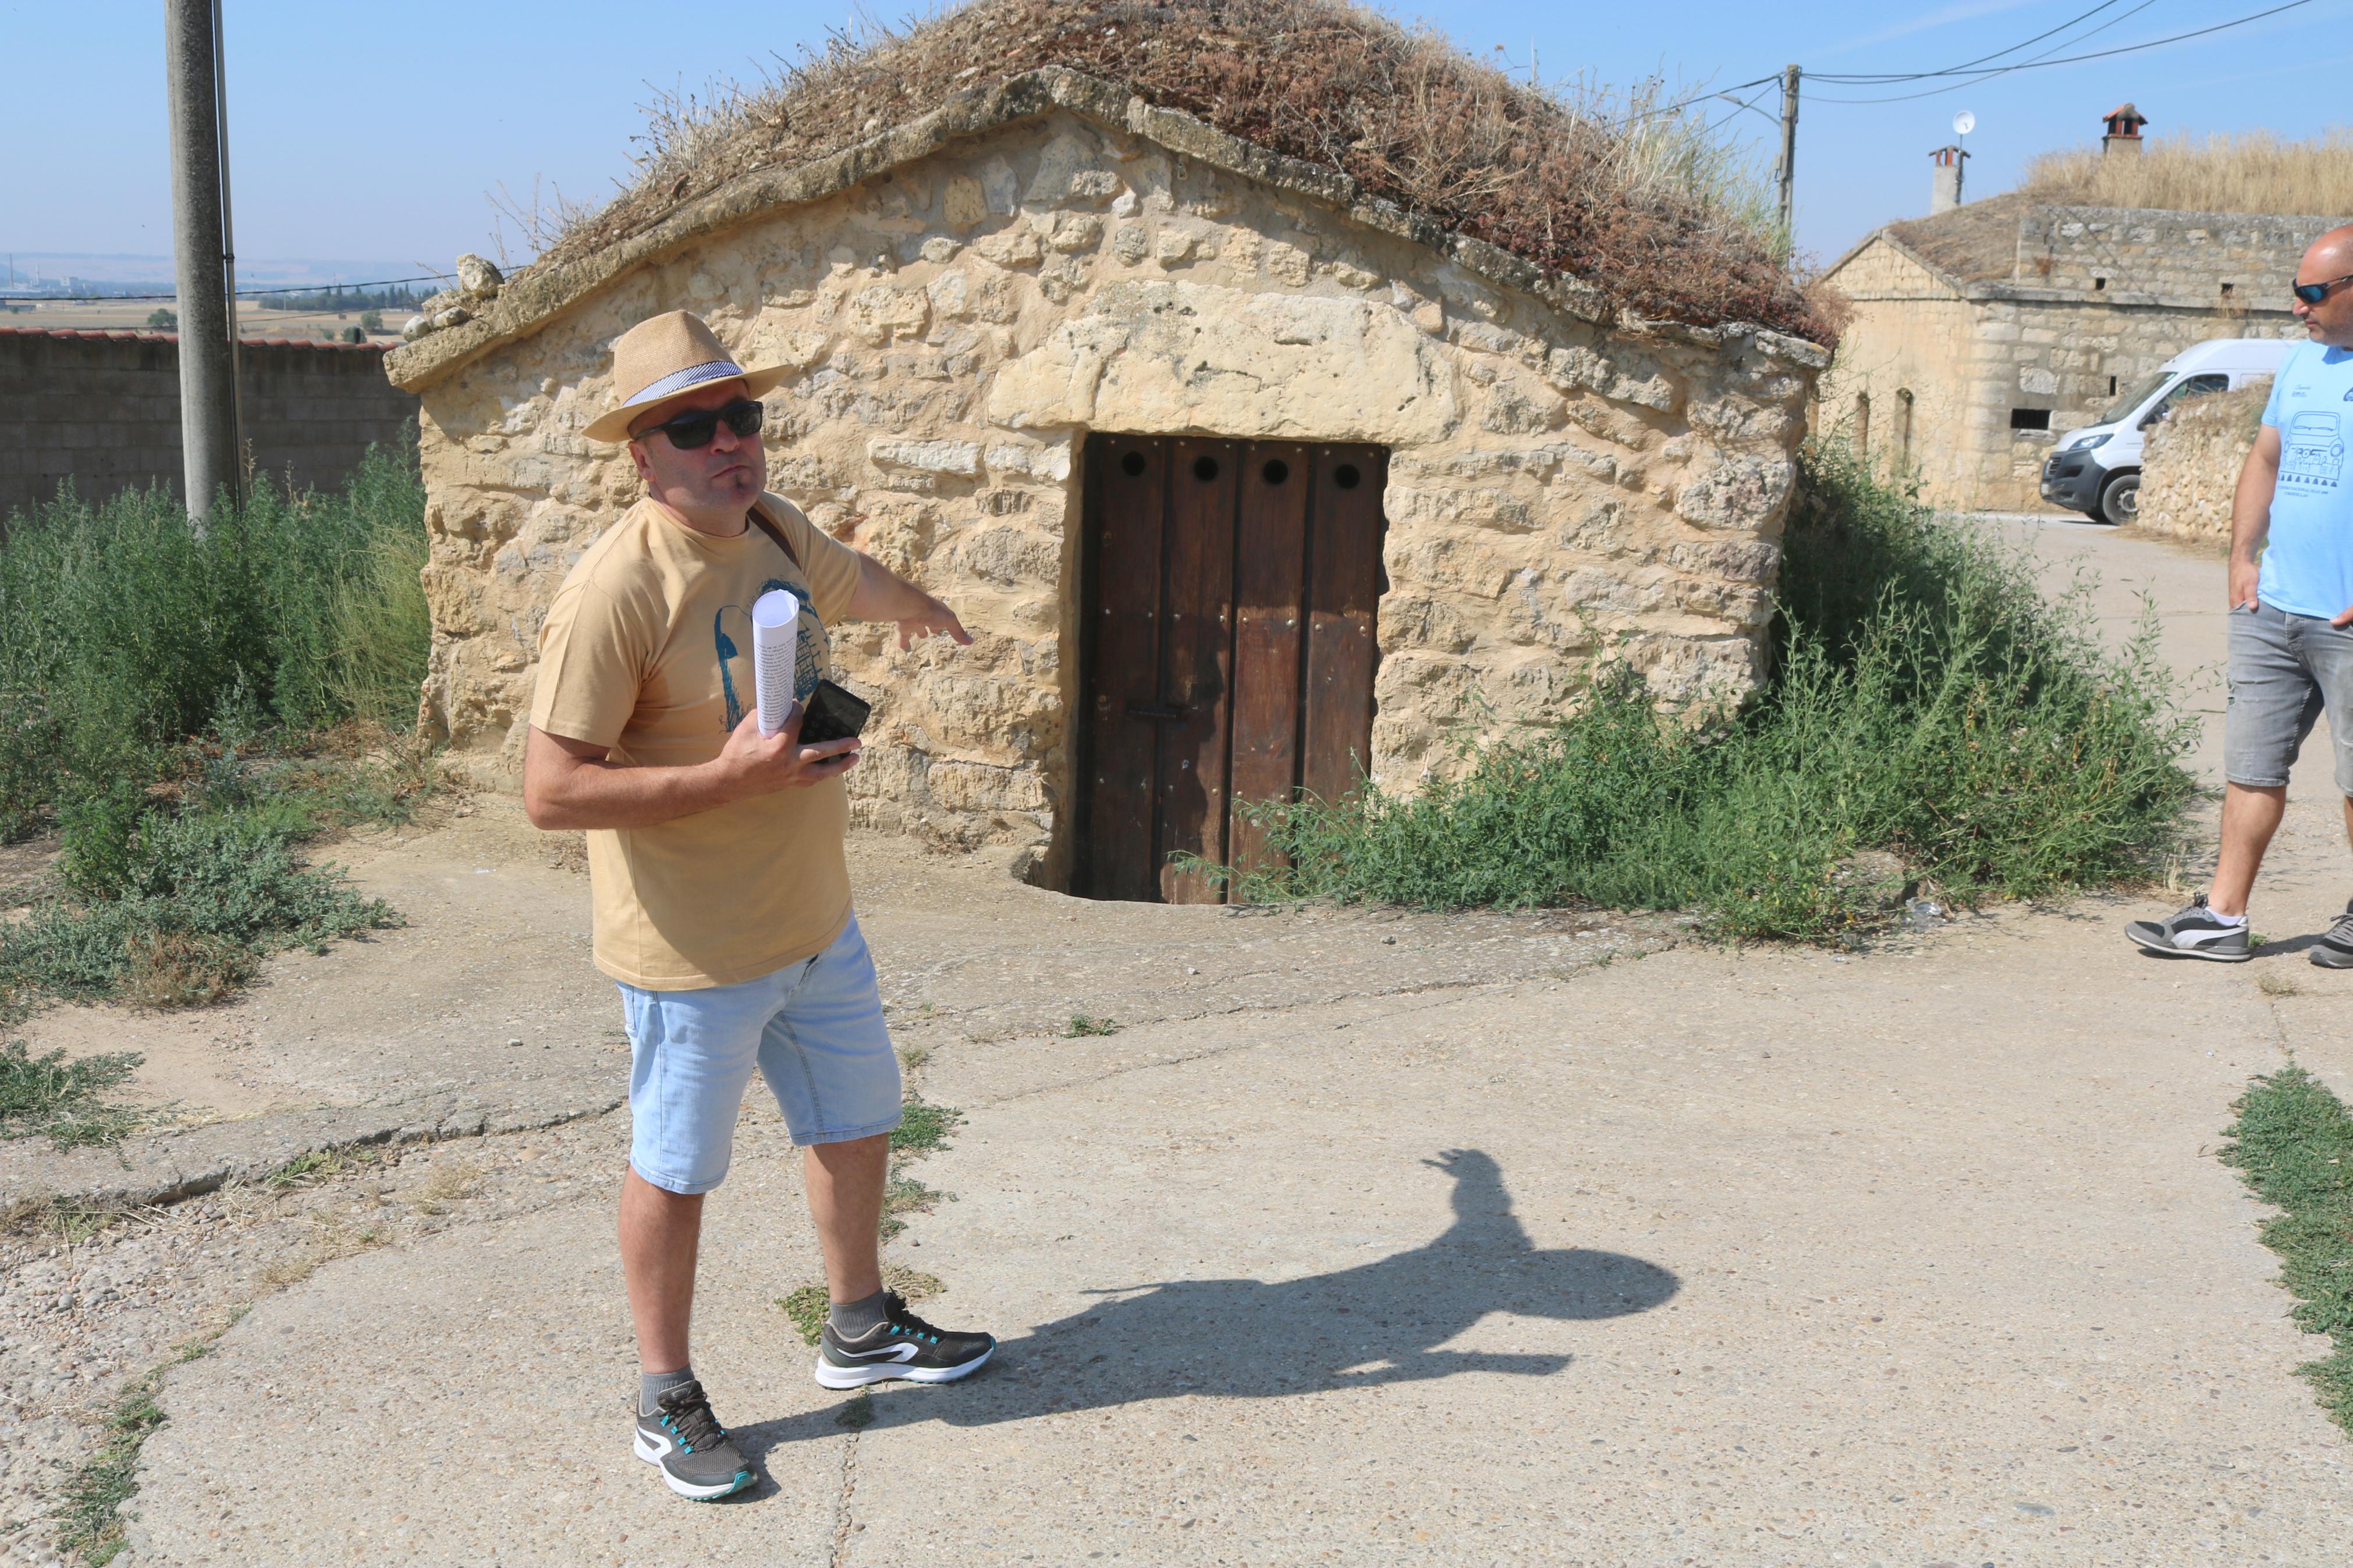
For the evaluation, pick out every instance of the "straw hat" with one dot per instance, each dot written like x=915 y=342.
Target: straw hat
x=660 y=358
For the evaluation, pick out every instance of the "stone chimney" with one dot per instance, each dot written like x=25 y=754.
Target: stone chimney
x=2124 y=131
x=1945 y=180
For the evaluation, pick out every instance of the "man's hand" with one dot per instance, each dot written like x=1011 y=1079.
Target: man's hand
x=2244 y=574
x=2342 y=618
x=932 y=619
x=751 y=763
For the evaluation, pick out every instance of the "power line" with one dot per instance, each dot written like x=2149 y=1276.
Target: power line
x=1989 y=75
x=1976 y=76
x=242 y=293
x=1890 y=78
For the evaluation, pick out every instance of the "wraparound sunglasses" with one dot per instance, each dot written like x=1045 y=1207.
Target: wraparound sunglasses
x=2314 y=293
x=688 y=431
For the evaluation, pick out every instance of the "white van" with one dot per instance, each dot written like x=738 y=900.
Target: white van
x=2097 y=469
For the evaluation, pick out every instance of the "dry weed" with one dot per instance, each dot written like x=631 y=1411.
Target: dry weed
x=1630 y=193
x=335 y=1239
x=175 y=969
x=2245 y=171
x=447 y=1185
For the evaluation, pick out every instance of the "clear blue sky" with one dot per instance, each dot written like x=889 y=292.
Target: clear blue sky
x=372 y=132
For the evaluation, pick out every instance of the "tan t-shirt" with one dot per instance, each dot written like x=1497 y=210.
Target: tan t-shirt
x=648 y=652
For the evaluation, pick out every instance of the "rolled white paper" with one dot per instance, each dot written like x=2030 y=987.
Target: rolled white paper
x=776 y=639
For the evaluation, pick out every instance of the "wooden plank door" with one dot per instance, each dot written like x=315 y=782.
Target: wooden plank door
x=1197 y=654
x=1344 y=589
x=1126 y=487
x=1271 y=609
x=1231 y=598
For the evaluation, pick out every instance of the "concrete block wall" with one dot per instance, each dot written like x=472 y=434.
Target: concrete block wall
x=102 y=409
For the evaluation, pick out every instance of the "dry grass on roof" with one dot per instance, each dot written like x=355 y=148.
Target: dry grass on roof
x=1631 y=195
x=2250 y=172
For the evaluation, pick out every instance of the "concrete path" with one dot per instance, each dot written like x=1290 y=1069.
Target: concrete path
x=1477 y=1251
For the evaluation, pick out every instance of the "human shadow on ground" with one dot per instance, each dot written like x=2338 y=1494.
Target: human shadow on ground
x=1378 y=1323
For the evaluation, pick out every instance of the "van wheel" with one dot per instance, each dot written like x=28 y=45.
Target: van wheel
x=2120 y=498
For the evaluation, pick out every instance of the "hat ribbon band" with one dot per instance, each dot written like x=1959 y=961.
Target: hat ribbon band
x=679 y=380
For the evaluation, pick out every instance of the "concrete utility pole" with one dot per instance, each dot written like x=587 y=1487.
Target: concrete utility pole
x=200 y=243
x=1788 y=173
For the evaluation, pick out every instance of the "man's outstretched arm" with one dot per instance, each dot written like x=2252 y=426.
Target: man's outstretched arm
x=882 y=594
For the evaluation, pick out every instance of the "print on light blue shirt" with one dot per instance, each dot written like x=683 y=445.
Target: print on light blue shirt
x=2311 y=451
x=2307 y=565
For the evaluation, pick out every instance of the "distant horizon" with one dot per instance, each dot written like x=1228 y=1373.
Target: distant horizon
x=126 y=268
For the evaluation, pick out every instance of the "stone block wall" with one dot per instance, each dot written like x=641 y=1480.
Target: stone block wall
x=1559 y=490
x=2190 y=469
x=102 y=409
x=2211 y=259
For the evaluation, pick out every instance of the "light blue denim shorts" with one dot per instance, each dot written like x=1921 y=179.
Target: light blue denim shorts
x=814 y=1029
x=2286 y=671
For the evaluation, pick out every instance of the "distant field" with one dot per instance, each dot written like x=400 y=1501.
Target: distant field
x=253 y=321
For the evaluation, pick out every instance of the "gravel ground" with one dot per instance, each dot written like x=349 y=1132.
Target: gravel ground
x=89 y=1304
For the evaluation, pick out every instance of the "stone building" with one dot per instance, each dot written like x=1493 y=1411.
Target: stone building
x=1243 y=481
x=1980 y=333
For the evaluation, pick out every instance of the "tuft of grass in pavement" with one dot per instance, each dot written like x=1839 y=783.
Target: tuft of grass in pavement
x=64 y=1101
x=2294 y=1144
x=91 y=1531
x=1927 y=700
x=806 y=1308
x=924 y=1127
x=310 y=1165
x=1082 y=1026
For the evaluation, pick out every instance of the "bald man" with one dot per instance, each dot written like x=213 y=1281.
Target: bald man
x=2291 y=605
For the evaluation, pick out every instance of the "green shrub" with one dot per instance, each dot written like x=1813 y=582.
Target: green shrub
x=175 y=699
x=60 y=1100
x=1927 y=700
x=191 y=904
x=124 y=631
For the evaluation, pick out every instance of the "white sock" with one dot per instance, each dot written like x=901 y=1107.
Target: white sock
x=2226 y=920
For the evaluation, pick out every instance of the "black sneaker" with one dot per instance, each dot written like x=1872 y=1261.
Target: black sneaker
x=2194 y=932
x=2334 y=950
x=902 y=1345
x=696 y=1458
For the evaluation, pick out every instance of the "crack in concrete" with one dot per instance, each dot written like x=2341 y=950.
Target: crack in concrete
x=1107 y=1074
x=843 y=1523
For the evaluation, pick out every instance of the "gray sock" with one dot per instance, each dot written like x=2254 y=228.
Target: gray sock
x=652 y=1385
x=856 y=1319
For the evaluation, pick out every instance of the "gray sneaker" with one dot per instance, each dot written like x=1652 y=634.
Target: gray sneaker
x=696 y=1458
x=2334 y=950
x=2194 y=932
x=900 y=1346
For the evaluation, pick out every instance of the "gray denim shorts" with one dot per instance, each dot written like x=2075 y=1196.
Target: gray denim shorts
x=2285 y=671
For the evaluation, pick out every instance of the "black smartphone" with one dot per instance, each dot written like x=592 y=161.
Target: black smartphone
x=832 y=714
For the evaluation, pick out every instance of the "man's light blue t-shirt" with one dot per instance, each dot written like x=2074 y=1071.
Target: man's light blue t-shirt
x=2307 y=566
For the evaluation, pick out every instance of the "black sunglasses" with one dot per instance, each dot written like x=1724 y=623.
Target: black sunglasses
x=688 y=431
x=2314 y=293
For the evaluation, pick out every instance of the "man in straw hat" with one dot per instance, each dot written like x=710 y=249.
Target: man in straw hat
x=722 y=897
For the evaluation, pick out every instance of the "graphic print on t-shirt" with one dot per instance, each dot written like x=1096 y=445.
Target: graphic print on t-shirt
x=2312 y=450
x=730 y=636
